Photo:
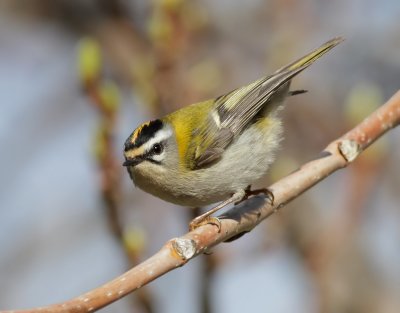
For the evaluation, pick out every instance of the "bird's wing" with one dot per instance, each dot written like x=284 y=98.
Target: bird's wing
x=233 y=112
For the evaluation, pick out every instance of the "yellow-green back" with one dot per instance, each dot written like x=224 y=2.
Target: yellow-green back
x=185 y=122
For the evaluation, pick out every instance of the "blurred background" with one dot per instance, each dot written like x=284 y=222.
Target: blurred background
x=76 y=77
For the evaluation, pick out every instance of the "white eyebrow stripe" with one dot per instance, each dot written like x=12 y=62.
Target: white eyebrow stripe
x=160 y=136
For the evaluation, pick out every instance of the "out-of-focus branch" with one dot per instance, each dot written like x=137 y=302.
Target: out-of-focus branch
x=243 y=218
x=329 y=256
x=104 y=97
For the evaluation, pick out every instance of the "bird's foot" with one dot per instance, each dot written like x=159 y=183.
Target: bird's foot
x=204 y=220
x=249 y=193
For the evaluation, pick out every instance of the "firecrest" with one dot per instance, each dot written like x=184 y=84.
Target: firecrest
x=214 y=150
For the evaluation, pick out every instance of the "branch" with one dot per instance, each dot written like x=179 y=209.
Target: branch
x=242 y=218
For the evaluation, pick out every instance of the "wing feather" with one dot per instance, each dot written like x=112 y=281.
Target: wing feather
x=236 y=110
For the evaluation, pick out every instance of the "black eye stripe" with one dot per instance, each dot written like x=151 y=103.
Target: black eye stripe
x=153 y=161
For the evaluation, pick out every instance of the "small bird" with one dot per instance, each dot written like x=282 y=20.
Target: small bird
x=214 y=150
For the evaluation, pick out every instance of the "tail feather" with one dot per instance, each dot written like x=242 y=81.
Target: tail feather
x=311 y=57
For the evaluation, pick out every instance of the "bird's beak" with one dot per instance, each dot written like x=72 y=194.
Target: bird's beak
x=132 y=161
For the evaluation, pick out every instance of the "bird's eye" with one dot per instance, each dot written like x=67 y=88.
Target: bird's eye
x=157 y=148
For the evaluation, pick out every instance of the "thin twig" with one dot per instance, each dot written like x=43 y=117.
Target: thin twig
x=242 y=218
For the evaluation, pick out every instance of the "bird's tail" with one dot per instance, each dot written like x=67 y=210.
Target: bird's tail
x=309 y=58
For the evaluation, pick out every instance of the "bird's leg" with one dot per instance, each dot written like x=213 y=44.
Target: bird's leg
x=236 y=198
x=248 y=193
x=206 y=217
